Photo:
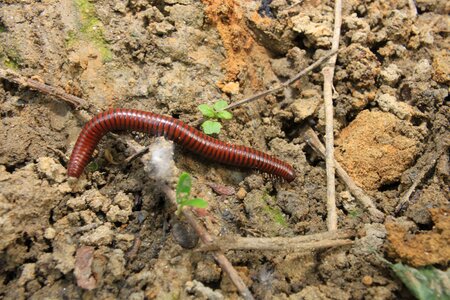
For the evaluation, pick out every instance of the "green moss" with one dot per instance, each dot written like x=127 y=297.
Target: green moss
x=11 y=64
x=274 y=212
x=91 y=29
x=71 y=39
x=355 y=213
x=2 y=29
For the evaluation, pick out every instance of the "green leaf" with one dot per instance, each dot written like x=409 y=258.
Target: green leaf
x=183 y=187
x=220 y=105
x=424 y=283
x=211 y=127
x=196 y=202
x=226 y=115
x=207 y=110
x=92 y=167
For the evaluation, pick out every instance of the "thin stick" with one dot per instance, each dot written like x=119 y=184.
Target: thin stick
x=220 y=258
x=44 y=88
x=403 y=203
x=412 y=8
x=281 y=244
x=377 y=216
x=300 y=243
x=328 y=73
x=284 y=84
x=136 y=155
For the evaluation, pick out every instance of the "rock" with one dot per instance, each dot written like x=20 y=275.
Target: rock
x=231 y=88
x=116 y=263
x=83 y=268
x=379 y=134
x=422 y=70
x=50 y=233
x=101 y=236
x=390 y=104
x=318 y=33
x=28 y=273
x=121 y=210
x=441 y=67
x=52 y=169
x=78 y=203
x=96 y=201
x=241 y=193
x=307 y=105
x=390 y=75
x=200 y=291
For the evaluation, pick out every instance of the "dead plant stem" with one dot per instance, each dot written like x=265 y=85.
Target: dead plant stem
x=377 y=216
x=220 y=258
x=328 y=73
x=301 y=243
x=44 y=88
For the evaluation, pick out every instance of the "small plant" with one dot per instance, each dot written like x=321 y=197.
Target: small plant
x=92 y=167
x=213 y=114
x=183 y=194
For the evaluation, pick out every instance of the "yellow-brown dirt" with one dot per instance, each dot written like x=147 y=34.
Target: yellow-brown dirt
x=373 y=151
x=244 y=55
x=423 y=248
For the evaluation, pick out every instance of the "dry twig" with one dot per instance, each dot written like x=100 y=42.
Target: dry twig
x=402 y=204
x=301 y=243
x=412 y=8
x=44 y=88
x=377 y=216
x=328 y=74
x=284 y=84
x=224 y=263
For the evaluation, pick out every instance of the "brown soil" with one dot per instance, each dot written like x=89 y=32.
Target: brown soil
x=423 y=248
x=111 y=234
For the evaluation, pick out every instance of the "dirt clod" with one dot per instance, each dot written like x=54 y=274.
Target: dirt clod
x=422 y=248
x=380 y=135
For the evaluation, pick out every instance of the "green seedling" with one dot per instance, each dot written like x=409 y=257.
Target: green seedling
x=92 y=167
x=213 y=114
x=183 y=194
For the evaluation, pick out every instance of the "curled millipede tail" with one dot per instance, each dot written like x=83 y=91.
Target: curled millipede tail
x=177 y=131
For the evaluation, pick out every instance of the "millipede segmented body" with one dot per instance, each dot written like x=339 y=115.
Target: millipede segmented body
x=177 y=131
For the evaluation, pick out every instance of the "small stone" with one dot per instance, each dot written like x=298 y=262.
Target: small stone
x=207 y=271
x=50 y=233
x=51 y=169
x=391 y=74
x=390 y=104
x=97 y=201
x=115 y=214
x=77 y=203
x=306 y=106
x=231 y=88
x=28 y=273
x=422 y=70
x=116 y=263
x=241 y=193
x=441 y=67
x=102 y=235
x=124 y=241
x=367 y=280
x=123 y=201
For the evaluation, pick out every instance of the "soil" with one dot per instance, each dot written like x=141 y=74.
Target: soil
x=111 y=233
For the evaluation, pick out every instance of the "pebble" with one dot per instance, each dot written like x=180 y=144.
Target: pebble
x=241 y=193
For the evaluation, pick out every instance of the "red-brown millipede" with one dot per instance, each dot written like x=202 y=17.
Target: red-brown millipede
x=177 y=131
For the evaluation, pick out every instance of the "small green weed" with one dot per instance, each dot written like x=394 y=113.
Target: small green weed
x=183 y=194
x=92 y=167
x=213 y=114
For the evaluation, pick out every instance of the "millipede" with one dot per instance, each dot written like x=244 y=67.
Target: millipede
x=177 y=131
